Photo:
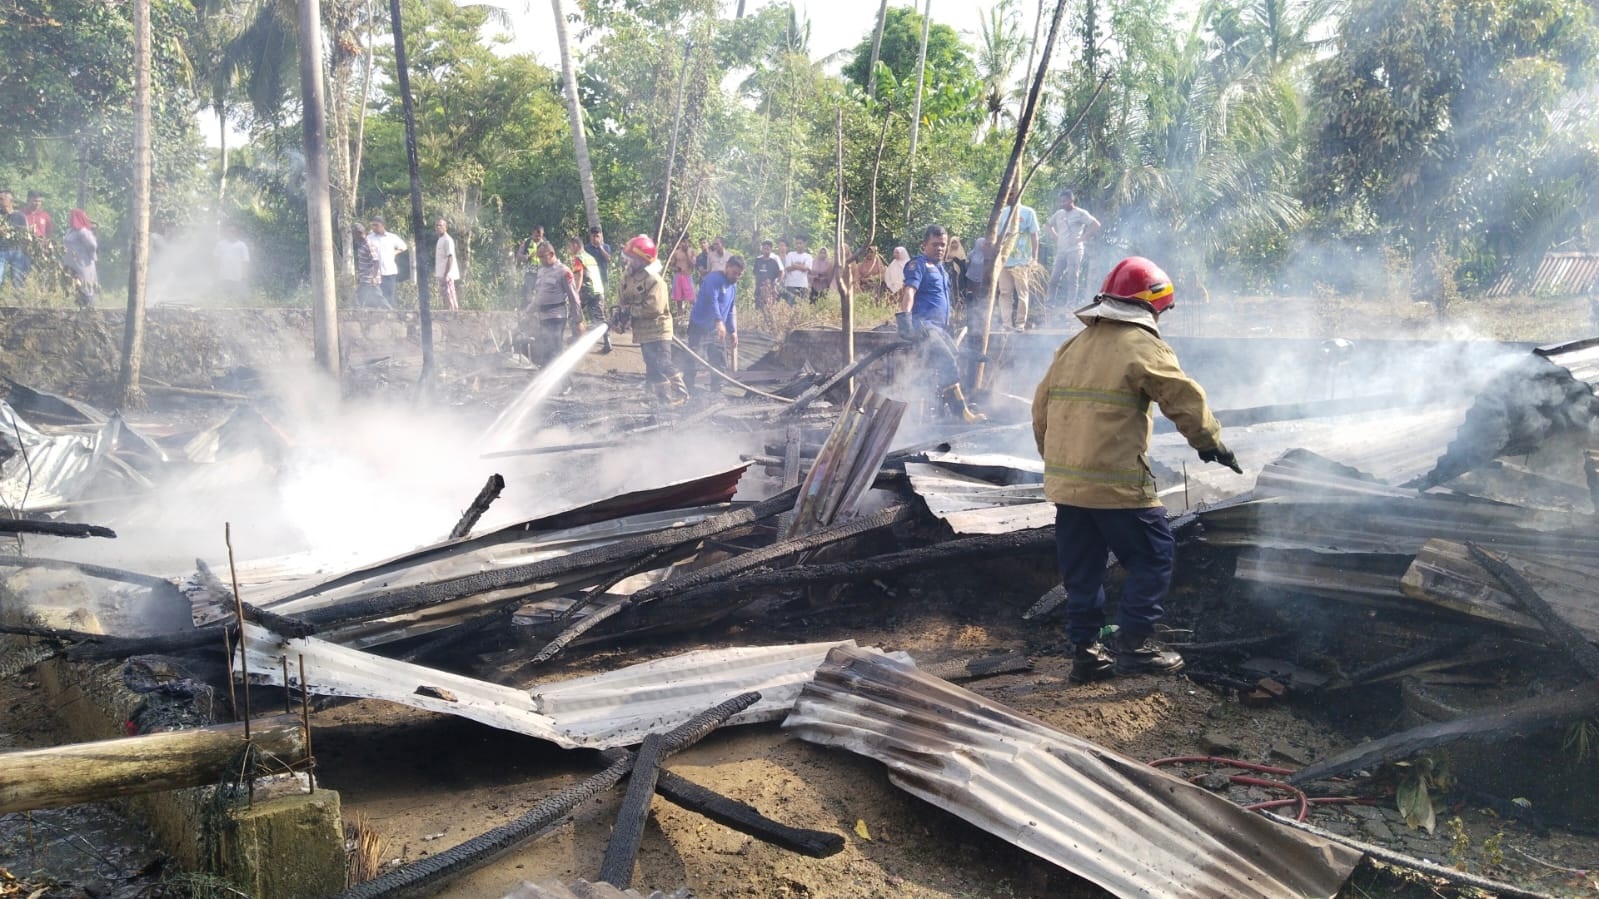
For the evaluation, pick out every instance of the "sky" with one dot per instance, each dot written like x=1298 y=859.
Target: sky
x=835 y=24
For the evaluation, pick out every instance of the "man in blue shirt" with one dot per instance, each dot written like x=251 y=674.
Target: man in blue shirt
x=713 y=323
x=924 y=319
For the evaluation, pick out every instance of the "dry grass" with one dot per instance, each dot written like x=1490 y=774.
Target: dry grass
x=363 y=850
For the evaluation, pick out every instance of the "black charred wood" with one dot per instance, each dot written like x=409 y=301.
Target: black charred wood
x=739 y=816
x=480 y=504
x=622 y=851
x=1569 y=639
x=53 y=528
x=1501 y=724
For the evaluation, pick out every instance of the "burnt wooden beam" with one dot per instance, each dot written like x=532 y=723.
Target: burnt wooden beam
x=480 y=504
x=1569 y=639
x=810 y=396
x=99 y=571
x=622 y=851
x=91 y=772
x=427 y=876
x=53 y=528
x=736 y=815
x=721 y=571
x=1495 y=726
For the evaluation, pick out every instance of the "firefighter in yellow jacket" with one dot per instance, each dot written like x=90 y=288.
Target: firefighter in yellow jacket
x=646 y=308
x=1092 y=423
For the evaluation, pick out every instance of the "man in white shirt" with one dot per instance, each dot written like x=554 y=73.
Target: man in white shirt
x=797 y=272
x=232 y=256
x=1071 y=227
x=386 y=247
x=1014 y=278
x=445 y=268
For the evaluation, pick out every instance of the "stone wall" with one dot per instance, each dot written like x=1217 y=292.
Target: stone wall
x=78 y=352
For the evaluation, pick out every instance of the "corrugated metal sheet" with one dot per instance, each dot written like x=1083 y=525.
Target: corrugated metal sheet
x=972 y=505
x=44 y=472
x=1558 y=274
x=1130 y=828
x=1580 y=358
x=617 y=708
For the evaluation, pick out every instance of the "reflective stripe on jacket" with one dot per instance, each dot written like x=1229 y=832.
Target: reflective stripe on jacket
x=646 y=299
x=1091 y=416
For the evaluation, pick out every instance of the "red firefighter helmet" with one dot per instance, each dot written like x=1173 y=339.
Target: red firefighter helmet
x=1138 y=280
x=642 y=247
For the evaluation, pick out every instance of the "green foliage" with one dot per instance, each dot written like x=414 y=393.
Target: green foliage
x=947 y=58
x=1581 y=741
x=1424 y=107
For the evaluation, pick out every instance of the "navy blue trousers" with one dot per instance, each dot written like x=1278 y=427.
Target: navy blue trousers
x=1142 y=542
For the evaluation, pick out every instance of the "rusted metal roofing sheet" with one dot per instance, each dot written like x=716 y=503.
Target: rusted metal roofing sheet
x=1559 y=274
x=617 y=708
x=1130 y=828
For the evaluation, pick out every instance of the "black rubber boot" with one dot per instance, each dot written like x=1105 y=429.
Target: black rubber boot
x=1091 y=663
x=1145 y=655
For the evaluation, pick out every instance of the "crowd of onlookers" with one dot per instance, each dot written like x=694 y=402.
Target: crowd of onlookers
x=28 y=245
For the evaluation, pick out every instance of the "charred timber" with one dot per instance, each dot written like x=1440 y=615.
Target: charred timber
x=410 y=599
x=480 y=504
x=815 y=393
x=1570 y=640
x=98 y=571
x=1501 y=724
x=617 y=867
x=53 y=528
x=739 y=816
x=427 y=876
x=710 y=575
x=91 y=772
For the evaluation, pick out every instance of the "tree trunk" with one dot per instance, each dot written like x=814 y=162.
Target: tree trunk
x=222 y=150
x=916 y=111
x=419 y=260
x=841 y=256
x=877 y=165
x=671 y=152
x=360 y=122
x=1024 y=127
x=877 y=47
x=128 y=394
x=574 y=111
x=91 y=772
x=319 y=215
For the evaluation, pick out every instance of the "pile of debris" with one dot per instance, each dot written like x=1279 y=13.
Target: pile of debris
x=1472 y=529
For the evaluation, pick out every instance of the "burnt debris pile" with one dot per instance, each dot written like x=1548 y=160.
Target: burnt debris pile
x=1356 y=563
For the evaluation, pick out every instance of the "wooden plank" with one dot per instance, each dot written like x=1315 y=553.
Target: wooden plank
x=1445 y=575
x=91 y=772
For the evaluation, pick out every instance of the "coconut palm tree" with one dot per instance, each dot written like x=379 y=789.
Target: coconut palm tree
x=999 y=49
x=574 y=109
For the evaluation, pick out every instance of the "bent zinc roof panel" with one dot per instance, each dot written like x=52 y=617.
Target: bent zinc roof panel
x=1131 y=828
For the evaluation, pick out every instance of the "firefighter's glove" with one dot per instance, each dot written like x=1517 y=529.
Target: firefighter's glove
x=621 y=321
x=908 y=330
x=1221 y=455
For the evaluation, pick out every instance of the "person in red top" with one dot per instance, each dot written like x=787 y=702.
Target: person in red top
x=38 y=219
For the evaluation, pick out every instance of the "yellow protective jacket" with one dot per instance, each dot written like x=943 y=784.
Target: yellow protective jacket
x=1091 y=416
x=646 y=299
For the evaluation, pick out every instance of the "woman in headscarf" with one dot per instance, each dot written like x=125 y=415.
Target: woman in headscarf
x=869 y=272
x=894 y=275
x=821 y=274
x=955 y=267
x=80 y=252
